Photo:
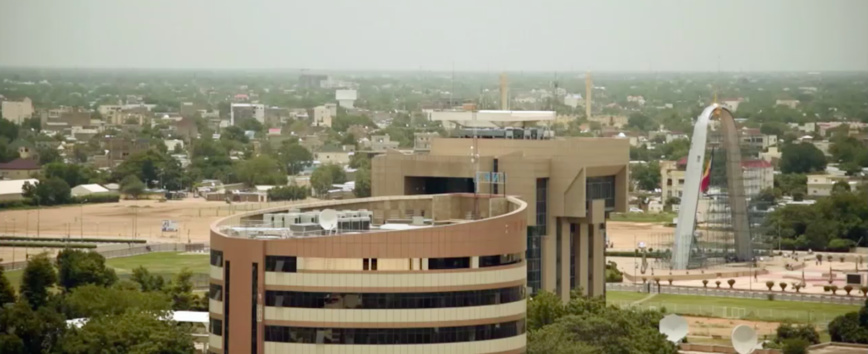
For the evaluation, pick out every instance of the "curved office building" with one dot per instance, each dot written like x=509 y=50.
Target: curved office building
x=402 y=274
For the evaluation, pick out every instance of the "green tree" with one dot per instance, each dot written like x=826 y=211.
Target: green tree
x=130 y=332
x=587 y=325
x=38 y=278
x=180 y=291
x=802 y=158
x=76 y=268
x=543 y=309
x=132 y=186
x=8 y=129
x=290 y=192
x=362 y=188
x=48 y=155
x=641 y=122
x=322 y=179
x=646 y=176
x=841 y=187
x=72 y=174
x=295 y=158
x=52 y=191
x=147 y=282
x=25 y=330
x=90 y=300
x=261 y=170
x=7 y=293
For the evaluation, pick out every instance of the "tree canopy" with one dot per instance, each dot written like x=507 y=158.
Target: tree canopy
x=802 y=158
x=76 y=268
x=322 y=179
x=587 y=325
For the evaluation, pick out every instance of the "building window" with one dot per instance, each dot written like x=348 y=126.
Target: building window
x=254 y=295
x=215 y=326
x=533 y=255
x=389 y=336
x=601 y=188
x=226 y=311
x=572 y=256
x=215 y=292
x=558 y=257
x=499 y=260
x=449 y=263
x=285 y=264
x=216 y=258
x=542 y=186
x=382 y=301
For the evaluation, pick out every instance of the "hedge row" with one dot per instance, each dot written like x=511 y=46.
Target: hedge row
x=97 y=198
x=63 y=239
x=47 y=245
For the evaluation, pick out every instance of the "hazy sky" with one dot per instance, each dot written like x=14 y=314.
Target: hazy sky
x=538 y=35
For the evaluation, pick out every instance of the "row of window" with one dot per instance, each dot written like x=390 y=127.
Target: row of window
x=449 y=263
x=429 y=300
x=285 y=264
x=216 y=258
x=499 y=260
x=387 y=336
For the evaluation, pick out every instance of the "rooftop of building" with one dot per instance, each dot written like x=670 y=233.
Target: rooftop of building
x=20 y=164
x=368 y=215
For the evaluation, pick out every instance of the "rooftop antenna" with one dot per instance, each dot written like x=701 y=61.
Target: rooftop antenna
x=744 y=339
x=328 y=219
x=674 y=327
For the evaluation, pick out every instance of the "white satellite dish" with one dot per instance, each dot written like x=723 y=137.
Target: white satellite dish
x=674 y=327
x=744 y=339
x=328 y=219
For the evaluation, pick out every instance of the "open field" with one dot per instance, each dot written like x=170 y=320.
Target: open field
x=140 y=219
x=166 y=264
x=626 y=235
x=621 y=297
x=664 y=218
x=735 y=308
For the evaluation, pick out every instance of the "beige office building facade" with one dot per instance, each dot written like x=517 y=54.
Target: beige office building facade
x=569 y=184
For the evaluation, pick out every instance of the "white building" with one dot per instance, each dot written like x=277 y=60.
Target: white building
x=322 y=116
x=821 y=185
x=573 y=100
x=346 y=98
x=789 y=103
x=13 y=189
x=87 y=189
x=17 y=111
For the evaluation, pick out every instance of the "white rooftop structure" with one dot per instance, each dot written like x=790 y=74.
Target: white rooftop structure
x=12 y=187
x=85 y=189
x=491 y=118
x=346 y=98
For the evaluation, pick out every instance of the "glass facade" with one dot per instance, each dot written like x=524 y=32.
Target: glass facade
x=216 y=258
x=601 y=188
x=449 y=263
x=286 y=264
x=558 y=256
x=499 y=260
x=254 y=296
x=382 y=301
x=542 y=192
x=573 y=256
x=386 y=336
x=226 y=273
x=533 y=257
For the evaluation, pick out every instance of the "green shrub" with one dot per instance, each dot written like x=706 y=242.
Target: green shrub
x=840 y=245
x=46 y=244
x=97 y=198
x=796 y=346
x=807 y=332
x=64 y=239
x=13 y=204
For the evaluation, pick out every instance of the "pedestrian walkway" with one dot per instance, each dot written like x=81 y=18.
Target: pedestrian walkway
x=646 y=298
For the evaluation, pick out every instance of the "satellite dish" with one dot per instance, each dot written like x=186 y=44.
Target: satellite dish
x=744 y=339
x=674 y=327
x=328 y=219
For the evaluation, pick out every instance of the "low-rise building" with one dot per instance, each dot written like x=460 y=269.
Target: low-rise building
x=14 y=189
x=820 y=185
x=19 y=169
x=380 y=143
x=87 y=189
x=17 y=111
x=789 y=103
x=422 y=141
x=322 y=116
x=332 y=155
